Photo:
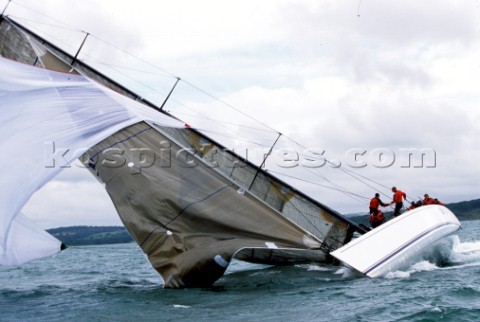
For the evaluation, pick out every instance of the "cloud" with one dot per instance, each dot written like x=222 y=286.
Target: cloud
x=75 y=197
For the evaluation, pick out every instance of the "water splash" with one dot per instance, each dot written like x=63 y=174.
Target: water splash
x=422 y=266
x=465 y=252
x=450 y=255
x=347 y=272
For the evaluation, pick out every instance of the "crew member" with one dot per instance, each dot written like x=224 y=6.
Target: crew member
x=398 y=197
x=415 y=204
x=427 y=200
x=437 y=202
x=376 y=216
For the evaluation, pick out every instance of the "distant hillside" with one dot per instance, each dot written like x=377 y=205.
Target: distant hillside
x=465 y=210
x=96 y=235
x=91 y=235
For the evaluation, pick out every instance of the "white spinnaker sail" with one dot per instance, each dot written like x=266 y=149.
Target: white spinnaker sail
x=27 y=241
x=48 y=120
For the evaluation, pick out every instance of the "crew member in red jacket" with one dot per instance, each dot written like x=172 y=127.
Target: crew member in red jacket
x=427 y=200
x=398 y=197
x=376 y=216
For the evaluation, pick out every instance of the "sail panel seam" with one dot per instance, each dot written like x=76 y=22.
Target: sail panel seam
x=180 y=213
x=196 y=202
x=121 y=141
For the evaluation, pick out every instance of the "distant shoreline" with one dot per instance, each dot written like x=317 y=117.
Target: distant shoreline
x=101 y=235
x=91 y=235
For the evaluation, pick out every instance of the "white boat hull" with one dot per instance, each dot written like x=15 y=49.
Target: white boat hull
x=399 y=242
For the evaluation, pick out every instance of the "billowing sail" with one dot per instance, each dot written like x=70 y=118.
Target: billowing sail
x=26 y=241
x=191 y=204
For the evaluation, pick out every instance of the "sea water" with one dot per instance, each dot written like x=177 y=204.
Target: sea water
x=116 y=283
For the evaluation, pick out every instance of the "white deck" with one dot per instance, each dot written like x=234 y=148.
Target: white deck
x=398 y=242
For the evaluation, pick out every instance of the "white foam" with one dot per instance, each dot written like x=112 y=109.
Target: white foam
x=397 y=274
x=313 y=267
x=422 y=266
x=181 y=306
x=466 y=252
x=347 y=272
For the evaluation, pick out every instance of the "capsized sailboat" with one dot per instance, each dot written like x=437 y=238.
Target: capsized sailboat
x=190 y=203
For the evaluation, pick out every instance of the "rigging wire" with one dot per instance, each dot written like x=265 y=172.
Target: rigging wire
x=220 y=123
x=189 y=84
x=67 y=26
x=349 y=172
x=136 y=57
x=237 y=138
x=128 y=68
x=45 y=33
x=225 y=122
x=349 y=193
x=358 y=9
x=317 y=184
x=229 y=105
x=322 y=176
x=125 y=75
x=186 y=82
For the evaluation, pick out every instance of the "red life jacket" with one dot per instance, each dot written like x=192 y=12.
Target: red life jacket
x=397 y=197
x=428 y=201
x=437 y=202
x=374 y=203
x=376 y=218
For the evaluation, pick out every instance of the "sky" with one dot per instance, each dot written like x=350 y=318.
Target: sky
x=342 y=77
